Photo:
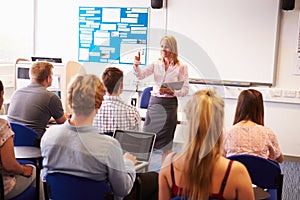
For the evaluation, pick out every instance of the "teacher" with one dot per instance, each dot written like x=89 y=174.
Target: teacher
x=161 y=116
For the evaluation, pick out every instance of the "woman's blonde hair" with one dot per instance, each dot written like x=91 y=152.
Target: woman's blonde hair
x=205 y=113
x=85 y=93
x=172 y=43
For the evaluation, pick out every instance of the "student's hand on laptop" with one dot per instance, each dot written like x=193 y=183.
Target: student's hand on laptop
x=130 y=157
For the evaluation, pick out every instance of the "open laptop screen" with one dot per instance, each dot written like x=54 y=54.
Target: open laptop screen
x=140 y=144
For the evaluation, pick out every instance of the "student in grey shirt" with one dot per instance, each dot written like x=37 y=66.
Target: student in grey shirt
x=77 y=148
x=34 y=105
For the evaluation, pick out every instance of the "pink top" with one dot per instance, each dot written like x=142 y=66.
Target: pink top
x=255 y=140
x=5 y=134
x=173 y=73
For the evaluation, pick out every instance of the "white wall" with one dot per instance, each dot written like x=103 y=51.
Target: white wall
x=288 y=45
x=284 y=118
x=57 y=33
x=17 y=27
x=57 y=24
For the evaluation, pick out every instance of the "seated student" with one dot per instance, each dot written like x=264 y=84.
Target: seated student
x=200 y=171
x=77 y=148
x=114 y=112
x=34 y=105
x=16 y=178
x=248 y=135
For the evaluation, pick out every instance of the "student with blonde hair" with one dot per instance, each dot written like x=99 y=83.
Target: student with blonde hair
x=77 y=148
x=200 y=171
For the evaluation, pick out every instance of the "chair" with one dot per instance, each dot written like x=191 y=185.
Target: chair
x=264 y=173
x=145 y=187
x=145 y=97
x=24 y=136
x=28 y=194
x=69 y=187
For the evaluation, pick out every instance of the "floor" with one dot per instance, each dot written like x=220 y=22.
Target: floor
x=156 y=159
x=291 y=180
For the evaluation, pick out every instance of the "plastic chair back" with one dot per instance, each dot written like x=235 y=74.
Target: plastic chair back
x=145 y=187
x=264 y=173
x=145 y=97
x=70 y=187
x=24 y=136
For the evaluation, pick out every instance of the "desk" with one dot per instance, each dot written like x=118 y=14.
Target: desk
x=3 y=117
x=181 y=118
x=34 y=153
x=27 y=152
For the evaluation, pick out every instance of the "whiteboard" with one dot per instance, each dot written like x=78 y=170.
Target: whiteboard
x=239 y=37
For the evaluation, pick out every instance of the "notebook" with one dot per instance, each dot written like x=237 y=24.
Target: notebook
x=173 y=85
x=139 y=144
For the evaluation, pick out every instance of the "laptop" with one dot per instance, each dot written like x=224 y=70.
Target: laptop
x=139 y=144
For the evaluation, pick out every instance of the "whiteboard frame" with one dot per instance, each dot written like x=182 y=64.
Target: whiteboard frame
x=225 y=41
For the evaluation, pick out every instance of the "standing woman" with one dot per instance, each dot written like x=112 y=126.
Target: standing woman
x=161 y=117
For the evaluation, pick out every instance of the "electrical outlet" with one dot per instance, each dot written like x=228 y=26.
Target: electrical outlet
x=277 y=93
x=289 y=93
x=298 y=95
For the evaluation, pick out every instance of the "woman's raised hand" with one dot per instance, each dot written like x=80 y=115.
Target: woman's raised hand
x=137 y=59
